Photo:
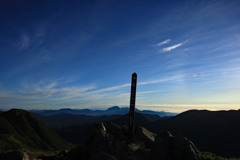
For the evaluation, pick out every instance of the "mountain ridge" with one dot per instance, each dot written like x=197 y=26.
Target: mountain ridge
x=115 y=110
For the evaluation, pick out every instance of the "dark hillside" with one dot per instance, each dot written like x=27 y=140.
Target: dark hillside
x=69 y=120
x=215 y=131
x=21 y=130
x=76 y=134
x=140 y=120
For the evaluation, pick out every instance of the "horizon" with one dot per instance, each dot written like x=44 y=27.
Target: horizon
x=123 y=107
x=81 y=54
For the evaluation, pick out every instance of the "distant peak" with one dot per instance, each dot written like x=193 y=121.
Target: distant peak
x=113 y=108
x=17 y=111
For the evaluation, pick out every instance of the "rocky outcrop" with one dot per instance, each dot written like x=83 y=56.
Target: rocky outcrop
x=114 y=140
x=168 y=147
x=109 y=141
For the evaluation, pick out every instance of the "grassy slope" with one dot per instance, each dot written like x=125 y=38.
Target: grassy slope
x=211 y=156
x=22 y=131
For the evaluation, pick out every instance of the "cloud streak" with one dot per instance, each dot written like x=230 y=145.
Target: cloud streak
x=45 y=89
x=117 y=87
x=167 y=49
x=52 y=90
x=111 y=88
x=163 y=42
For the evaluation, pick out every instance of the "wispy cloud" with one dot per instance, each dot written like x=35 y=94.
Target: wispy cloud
x=46 y=89
x=167 y=49
x=163 y=42
x=28 y=39
x=118 y=87
x=10 y=96
x=161 y=80
x=24 y=42
x=111 y=88
x=55 y=92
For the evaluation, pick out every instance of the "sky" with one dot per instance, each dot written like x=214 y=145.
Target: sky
x=81 y=54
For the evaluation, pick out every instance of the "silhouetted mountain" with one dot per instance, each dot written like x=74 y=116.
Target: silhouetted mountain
x=68 y=120
x=214 y=131
x=161 y=113
x=153 y=117
x=19 y=130
x=115 y=110
x=140 y=119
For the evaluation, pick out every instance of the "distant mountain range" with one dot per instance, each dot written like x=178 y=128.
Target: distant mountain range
x=72 y=117
x=115 y=110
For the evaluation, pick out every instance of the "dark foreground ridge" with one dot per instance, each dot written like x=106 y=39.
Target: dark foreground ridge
x=214 y=131
x=24 y=137
x=108 y=141
x=20 y=130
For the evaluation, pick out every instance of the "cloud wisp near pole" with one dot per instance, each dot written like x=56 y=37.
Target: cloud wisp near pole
x=132 y=104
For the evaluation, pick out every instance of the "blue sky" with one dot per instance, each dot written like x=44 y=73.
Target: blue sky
x=81 y=54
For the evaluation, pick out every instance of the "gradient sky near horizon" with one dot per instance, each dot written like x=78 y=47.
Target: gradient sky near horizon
x=81 y=54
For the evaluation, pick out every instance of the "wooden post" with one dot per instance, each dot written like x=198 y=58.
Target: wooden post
x=132 y=104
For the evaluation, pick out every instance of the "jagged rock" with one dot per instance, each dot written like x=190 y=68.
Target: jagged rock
x=109 y=141
x=144 y=135
x=14 y=155
x=168 y=147
x=97 y=138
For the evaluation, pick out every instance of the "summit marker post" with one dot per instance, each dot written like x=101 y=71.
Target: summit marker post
x=132 y=104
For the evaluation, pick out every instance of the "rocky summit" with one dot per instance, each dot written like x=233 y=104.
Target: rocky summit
x=108 y=141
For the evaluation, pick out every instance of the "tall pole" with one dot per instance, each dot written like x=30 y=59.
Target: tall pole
x=132 y=104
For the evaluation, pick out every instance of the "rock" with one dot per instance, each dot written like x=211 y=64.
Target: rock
x=144 y=135
x=98 y=136
x=135 y=145
x=168 y=147
x=14 y=155
x=108 y=141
